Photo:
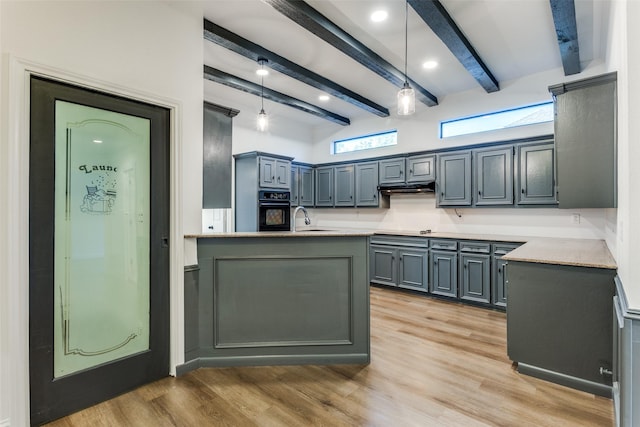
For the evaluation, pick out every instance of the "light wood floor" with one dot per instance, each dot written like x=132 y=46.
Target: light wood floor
x=433 y=363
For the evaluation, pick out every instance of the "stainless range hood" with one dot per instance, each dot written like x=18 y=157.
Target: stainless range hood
x=423 y=187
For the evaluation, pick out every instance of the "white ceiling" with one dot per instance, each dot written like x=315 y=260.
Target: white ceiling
x=514 y=38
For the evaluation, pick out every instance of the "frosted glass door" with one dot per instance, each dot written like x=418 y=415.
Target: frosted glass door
x=102 y=231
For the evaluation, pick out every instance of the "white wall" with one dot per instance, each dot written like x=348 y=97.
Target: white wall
x=149 y=48
x=625 y=47
x=421 y=131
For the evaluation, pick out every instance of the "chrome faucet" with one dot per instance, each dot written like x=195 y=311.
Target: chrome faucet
x=307 y=220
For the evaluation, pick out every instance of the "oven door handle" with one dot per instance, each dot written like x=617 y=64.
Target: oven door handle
x=274 y=204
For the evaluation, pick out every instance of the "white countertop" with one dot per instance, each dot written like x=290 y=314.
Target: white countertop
x=576 y=252
x=544 y=250
x=309 y=232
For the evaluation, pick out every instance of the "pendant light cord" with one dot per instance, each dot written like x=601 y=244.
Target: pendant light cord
x=262 y=86
x=406 y=24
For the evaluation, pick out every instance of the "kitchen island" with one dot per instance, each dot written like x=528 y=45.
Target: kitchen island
x=272 y=298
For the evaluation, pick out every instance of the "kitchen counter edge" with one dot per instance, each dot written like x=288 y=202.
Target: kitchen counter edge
x=592 y=253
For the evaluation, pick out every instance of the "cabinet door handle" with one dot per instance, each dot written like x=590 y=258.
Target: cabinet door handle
x=375 y=196
x=499 y=270
x=351 y=197
x=441 y=194
x=479 y=193
x=400 y=172
x=522 y=191
x=273 y=177
x=411 y=171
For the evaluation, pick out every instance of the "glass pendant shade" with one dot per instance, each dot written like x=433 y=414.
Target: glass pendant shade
x=406 y=100
x=263 y=121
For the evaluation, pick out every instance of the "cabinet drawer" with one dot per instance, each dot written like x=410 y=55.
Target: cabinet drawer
x=504 y=248
x=475 y=247
x=445 y=245
x=413 y=242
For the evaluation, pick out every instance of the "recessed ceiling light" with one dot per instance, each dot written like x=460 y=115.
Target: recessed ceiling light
x=262 y=72
x=323 y=98
x=379 y=15
x=97 y=141
x=430 y=65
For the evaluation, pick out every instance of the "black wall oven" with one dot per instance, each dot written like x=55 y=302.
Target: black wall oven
x=274 y=211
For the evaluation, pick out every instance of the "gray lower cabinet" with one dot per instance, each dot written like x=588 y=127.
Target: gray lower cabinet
x=471 y=271
x=392 y=171
x=413 y=269
x=494 y=176
x=453 y=183
x=560 y=322
x=382 y=265
x=324 y=186
x=367 y=184
x=535 y=178
x=475 y=271
x=444 y=268
x=498 y=273
x=400 y=262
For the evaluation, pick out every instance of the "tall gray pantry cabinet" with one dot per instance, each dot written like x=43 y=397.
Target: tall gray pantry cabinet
x=586 y=139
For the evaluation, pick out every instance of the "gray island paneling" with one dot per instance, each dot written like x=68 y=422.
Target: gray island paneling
x=279 y=298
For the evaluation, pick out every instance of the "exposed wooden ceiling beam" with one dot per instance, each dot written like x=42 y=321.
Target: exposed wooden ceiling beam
x=227 y=79
x=438 y=19
x=564 y=19
x=253 y=51
x=313 y=21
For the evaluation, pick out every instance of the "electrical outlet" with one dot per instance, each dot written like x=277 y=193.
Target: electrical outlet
x=575 y=218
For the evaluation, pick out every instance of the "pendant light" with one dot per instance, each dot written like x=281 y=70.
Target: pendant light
x=406 y=95
x=263 y=119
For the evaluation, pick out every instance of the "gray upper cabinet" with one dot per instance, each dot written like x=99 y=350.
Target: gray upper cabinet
x=392 y=171
x=295 y=181
x=367 y=184
x=216 y=156
x=535 y=182
x=274 y=172
x=494 y=176
x=585 y=138
x=453 y=183
x=302 y=185
x=421 y=169
x=345 y=185
x=324 y=186
x=305 y=186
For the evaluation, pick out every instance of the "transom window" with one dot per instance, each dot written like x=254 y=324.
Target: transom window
x=520 y=116
x=366 y=142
